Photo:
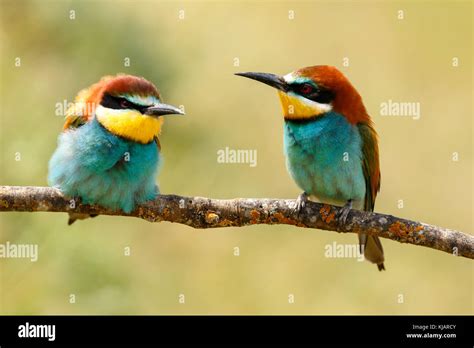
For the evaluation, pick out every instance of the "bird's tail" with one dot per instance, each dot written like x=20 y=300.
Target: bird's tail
x=76 y=216
x=372 y=249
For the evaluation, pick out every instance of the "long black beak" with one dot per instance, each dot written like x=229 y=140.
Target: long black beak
x=269 y=79
x=162 y=109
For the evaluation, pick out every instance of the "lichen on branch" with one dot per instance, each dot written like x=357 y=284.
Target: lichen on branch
x=200 y=212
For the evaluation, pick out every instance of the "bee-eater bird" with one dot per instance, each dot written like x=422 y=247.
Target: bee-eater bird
x=109 y=152
x=330 y=143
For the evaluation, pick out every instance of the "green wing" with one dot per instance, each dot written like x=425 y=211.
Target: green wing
x=370 y=164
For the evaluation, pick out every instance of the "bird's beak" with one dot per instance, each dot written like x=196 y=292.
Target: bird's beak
x=269 y=79
x=163 y=109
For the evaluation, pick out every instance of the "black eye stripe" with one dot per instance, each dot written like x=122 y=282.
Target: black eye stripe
x=319 y=95
x=323 y=96
x=112 y=102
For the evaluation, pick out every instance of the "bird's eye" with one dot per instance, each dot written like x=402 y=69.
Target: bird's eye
x=125 y=104
x=306 y=88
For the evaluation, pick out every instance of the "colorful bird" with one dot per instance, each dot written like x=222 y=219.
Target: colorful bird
x=109 y=153
x=330 y=143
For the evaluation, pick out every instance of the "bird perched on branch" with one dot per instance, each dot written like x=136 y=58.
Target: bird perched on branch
x=109 y=152
x=330 y=144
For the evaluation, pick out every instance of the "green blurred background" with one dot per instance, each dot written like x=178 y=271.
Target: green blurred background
x=192 y=61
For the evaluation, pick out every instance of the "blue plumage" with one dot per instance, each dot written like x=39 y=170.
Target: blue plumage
x=324 y=158
x=102 y=168
x=330 y=144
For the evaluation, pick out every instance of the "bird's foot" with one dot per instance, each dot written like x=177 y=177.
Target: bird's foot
x=300 y=203
x=344 y=212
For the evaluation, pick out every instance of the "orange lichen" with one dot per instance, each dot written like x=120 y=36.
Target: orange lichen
x=330 y=217
x=282 y=219
x=324 y=211
x=255 y=215
x=326 y=214
x=211 y=217
x=409 y=232
x=398 y=228
x=226 y=222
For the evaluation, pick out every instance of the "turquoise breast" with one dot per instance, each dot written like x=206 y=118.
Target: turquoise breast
x=323 y=156
x=104 y=169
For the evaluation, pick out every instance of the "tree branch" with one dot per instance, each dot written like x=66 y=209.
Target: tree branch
x=199 y=212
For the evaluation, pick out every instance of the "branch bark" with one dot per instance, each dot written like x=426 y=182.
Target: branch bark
x=199 y=212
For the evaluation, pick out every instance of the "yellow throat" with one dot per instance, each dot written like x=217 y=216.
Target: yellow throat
x=130 y=124
x=296 y=107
